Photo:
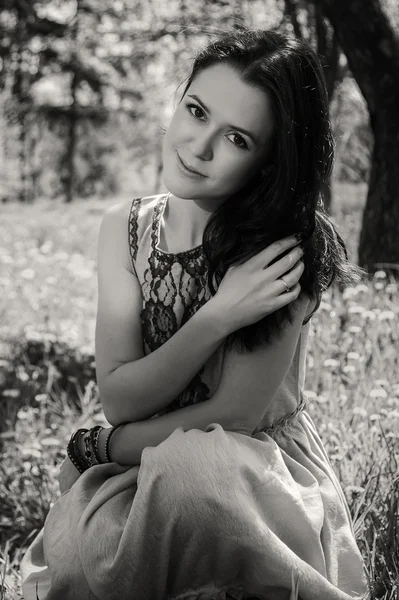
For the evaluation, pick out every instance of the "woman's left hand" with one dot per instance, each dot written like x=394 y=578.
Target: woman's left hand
x=68 y=475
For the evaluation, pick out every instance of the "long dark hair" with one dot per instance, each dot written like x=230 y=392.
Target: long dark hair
x=287 y=198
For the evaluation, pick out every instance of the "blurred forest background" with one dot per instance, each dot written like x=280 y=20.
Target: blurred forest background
x=86 y=87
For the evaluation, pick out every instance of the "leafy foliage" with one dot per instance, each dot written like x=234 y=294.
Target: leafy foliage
x=40 y=368
x=86 y=86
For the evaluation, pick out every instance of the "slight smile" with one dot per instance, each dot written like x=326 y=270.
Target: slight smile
x=188 y=169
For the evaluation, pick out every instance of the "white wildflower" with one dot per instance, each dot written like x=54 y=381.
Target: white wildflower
x=378 y=393
x=362 y=288
x=325 y=306
x=369 y=314
x=386 y=314
x=354 y=329
x=358 y=410
x=391 y=288
x=50 y=441
x=356 y=309
x=28 y=273
x=11 y=393
x=349 y=292
x=374 y=417
x=356 y=489
x=331 y=362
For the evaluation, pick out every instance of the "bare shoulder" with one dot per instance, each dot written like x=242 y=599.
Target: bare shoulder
x=114 y=228
x=118 y=212
x=113 y=236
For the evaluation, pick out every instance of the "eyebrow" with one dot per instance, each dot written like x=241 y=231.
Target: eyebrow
x=240 y=129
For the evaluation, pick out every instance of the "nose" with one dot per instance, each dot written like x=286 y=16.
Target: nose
x=201 y=146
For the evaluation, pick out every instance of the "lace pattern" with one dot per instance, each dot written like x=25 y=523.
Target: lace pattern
x=162 y=290
x=132 y=231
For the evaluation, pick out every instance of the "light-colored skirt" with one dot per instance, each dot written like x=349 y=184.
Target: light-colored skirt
x=207 y=515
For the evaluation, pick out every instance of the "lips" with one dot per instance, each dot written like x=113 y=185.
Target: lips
x=189 y=167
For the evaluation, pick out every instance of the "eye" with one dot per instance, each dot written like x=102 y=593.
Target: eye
x=196 y=107
x=244 y=146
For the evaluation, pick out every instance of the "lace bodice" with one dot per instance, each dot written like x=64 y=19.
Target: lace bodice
x=174 y=287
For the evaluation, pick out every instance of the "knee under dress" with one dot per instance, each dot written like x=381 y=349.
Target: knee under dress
x=207 y=514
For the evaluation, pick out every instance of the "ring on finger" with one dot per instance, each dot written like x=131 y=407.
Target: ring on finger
x=287 y=288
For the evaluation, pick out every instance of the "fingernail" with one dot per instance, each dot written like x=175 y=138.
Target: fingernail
x=298 y=236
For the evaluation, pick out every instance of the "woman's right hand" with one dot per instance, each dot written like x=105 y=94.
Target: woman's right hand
x=252 y=290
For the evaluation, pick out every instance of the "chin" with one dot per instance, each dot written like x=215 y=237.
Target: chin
x=176 y=186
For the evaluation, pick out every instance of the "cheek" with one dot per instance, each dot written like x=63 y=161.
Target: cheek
x=168 y=137
x=168 y=143
x=177 y=125
x=174 y=134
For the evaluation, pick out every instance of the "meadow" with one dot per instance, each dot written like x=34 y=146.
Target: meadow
x=48 y=302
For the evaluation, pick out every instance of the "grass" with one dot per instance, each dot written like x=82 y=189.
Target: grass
x=47 y=378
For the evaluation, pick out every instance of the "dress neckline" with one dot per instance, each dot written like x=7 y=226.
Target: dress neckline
x=195 y=250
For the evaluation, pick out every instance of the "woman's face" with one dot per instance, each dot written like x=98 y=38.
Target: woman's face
x=224 y=133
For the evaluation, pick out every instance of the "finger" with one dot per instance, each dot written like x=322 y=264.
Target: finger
x=271 y=252
x=288 y=297
x=285 y=264
x=291 y=277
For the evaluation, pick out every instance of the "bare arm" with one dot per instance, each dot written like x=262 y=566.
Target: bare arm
x=133 y=386
x=158 y=378
x=247 y=386
x=128 y=442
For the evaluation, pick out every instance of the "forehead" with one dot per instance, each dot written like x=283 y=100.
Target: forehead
x=231 y=100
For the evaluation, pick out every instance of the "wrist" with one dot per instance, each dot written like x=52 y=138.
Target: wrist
x=215 y=319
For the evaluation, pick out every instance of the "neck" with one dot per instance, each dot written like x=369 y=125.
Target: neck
x=197 y=211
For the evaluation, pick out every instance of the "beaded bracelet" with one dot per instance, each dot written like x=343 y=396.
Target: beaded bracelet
x=90 y=444
x=91 y=453
x=107 y=458
x=74 y=454
x=94 y=436
x=88 y=452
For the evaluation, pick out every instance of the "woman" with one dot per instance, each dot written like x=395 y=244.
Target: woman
x=215 y=483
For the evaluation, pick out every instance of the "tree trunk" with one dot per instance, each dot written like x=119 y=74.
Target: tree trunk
x=372 y=50
x=21 y=101
x=379 y=236
x=71 y=144
x=69 y=175
x=328 y=51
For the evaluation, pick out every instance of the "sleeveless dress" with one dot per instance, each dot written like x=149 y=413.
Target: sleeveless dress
x=207 y=515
